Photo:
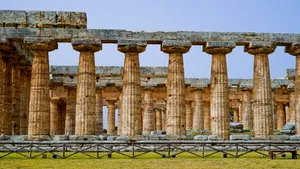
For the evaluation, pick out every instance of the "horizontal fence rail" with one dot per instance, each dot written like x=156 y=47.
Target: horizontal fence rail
x=99 y=149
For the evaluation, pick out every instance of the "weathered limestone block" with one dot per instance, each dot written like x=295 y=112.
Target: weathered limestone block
x=71 y=19
x=215 y=137
x=295 y=137
x=279 y=137
x=247 y=110
x=111 y=117
x=239 y=137
x=122 y=138
x=54 y=121
x=16 y=93
x=206 y=110
x=294 y=49
x=111 y=138
x=219 y=87
x=103 y=137
x=198 y=115
x=262 y=96
x=19 y=138
x=148 y=123
x=189 y=115
x=175 y=111
x=60 y=137
x=13 y=18
x=280 y=115
x=86 y=86
x=159 y=120
x=131 y=103
x=41 y=19
x=70 y=111
x=99 y=111
x=201 y=137
x=39 y=109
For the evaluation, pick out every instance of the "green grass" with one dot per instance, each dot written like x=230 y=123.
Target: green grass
x=182 y=161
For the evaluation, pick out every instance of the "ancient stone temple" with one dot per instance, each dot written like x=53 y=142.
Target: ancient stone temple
x=41 y=101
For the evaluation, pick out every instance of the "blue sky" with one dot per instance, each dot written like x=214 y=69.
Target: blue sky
x=174 y=15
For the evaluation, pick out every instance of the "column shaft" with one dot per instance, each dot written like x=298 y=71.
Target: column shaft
x=206 y=110
x=111 y=117
x=247 y=111
x=99 y=112
x=189 y=115
x=198 y=115
x=236 y=115
x=24 y=102
x=54 y=117
x=148 y=123
x=280 y=115
x=7 y=127
x=120 y=126
x=293 y=105
x=70 y=112
x=159 y=120
x=16 y=93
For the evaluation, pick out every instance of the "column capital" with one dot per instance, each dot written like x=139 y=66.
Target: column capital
x=132 y=46
x=175 y=46
x=218 y=47
x=86 y=44
x=293 y=49
x=256 y=47
x=40 y=43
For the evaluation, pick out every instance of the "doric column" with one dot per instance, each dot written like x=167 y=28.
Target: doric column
x=240 y=113
x=219 y=99
x=119 y=132
x=206 y=110
x=287 y=113
x=86 y=86
x=54 y=111
x=262 y=95
x=247 y=110
x=280 y=115
x=70 y=111
x=159 y=120
x=99 y=112
x=198 y=115
x=164 y=119
x=39 y=104
x=236 y=114
x=16 y=93
x=175 y=111
x=25 y=85
x=131 y=104
x=111 y=117
x=273 y=121
x=189 y=114
x=294 y=49
x=5 y=91
x=148 y=123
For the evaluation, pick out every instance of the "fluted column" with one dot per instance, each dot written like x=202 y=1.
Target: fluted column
x=5 y=91
x=164 y=119
x=54 y=111
x=70 y=111
x=280 y=115
x=294 y=49
x=131 y=104
x=262 y=96
x=219 y=99
x=293 y=102
x=148 y=123
x=39 y=104
x=120 y=126
x=25 y=85
x=111 y=117
x=86 y=86
x=99 y=112
x=287 y=113
x=206 y=110
x=189 y=114
x=16 y=93
x=198 y=115
x=240 y=113
x=247 y=110
x=159 y=120
x=175 y=111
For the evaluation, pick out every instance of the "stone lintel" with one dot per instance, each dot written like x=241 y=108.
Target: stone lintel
x=132 y=46
x=40 y=43
x=217 y=47
x=176 y=46
x=293 y=49
x=256 y=47
x=87 y=44
x=54 y=99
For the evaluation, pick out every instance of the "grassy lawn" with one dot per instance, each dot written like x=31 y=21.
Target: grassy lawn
x=147 y=161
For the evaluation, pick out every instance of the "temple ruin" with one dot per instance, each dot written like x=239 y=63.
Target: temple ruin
x=40 y=100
